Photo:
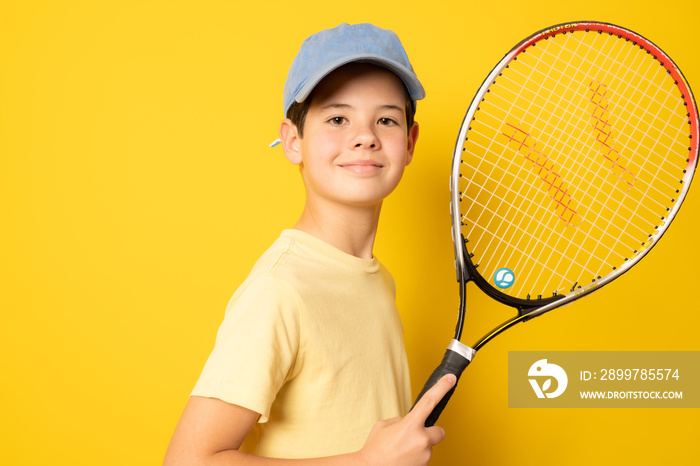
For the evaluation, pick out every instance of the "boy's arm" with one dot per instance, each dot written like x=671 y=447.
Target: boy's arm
x=210 y=432
x=208 y=426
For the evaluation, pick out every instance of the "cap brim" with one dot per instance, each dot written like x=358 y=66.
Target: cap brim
x=415 y=89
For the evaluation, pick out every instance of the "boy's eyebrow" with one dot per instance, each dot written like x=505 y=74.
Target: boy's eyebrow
x=392 y=107
x=381 y=107
x=335 y=105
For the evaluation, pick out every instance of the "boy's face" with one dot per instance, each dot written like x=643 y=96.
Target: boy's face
x=356 y=144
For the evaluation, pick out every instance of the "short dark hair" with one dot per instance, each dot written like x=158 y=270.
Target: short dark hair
x=298 y=110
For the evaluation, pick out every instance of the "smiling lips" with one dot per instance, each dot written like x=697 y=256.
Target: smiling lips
x=362 y=167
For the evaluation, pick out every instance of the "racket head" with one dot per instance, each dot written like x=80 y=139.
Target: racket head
x=572 y=160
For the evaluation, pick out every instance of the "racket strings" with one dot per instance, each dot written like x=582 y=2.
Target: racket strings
x=568 y=145
x=605 y=198
x=627 y=102
x=607 y=145
x=571 y=146
x=622 y=63
x=626 y=80
x=553 y=183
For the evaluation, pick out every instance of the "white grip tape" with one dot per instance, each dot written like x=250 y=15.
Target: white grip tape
x=461 y=349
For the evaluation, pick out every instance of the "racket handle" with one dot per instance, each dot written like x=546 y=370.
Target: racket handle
x=456 y=359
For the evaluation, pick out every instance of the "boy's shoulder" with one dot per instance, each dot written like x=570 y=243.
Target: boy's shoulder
x=302 y=262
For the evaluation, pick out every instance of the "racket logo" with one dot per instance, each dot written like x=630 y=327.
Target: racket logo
x=545 y=169
x=603 y=134
x=542 y=369
x=504 y=278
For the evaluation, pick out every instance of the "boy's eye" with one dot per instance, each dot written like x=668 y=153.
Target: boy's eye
x=338 y=120
x=387 y=121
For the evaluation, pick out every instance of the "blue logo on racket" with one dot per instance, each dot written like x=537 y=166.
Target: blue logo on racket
x=504 y=277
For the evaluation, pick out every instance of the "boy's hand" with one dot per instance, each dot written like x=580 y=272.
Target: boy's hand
x=406 y=441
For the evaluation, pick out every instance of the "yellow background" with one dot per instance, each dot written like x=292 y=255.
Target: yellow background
x=137 y=189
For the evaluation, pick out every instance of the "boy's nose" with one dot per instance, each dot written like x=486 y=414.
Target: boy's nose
x=366 y=138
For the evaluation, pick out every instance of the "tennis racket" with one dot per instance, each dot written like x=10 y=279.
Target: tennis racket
x=571 y=162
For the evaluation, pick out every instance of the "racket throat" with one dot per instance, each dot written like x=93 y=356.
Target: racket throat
x=498 y=330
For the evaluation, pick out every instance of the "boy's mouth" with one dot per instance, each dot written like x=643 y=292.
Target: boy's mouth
x=370 y=163
x=362 y=166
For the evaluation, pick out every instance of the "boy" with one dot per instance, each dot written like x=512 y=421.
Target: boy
x=310 y=355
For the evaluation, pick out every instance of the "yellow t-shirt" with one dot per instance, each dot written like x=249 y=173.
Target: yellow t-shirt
x=313 y=342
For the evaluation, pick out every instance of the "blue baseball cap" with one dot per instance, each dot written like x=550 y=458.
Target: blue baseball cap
x=330 y=49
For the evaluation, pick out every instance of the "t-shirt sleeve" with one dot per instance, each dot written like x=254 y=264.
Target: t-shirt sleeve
x=256 y=346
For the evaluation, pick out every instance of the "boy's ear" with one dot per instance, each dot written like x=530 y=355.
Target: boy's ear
x=289 y=135
x=412 y=138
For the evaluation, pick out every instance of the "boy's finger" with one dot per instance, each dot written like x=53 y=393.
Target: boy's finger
x=431 y=398
x=435 y=434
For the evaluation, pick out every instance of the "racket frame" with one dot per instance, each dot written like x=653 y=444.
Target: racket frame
x=466 y=270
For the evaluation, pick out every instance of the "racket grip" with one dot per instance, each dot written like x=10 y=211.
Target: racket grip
x=457 y=357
